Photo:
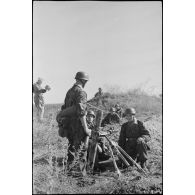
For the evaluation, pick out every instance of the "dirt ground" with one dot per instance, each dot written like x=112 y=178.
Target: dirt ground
x=48 y=178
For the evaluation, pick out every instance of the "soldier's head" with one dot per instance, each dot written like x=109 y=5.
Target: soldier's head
x=90 y=116
x=100 y=89
x=39 y=81
x=112 y=110
x=130 y=114
x=82 y=78
x=117 y=106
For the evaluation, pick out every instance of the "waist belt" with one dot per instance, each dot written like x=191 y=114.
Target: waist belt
x=130 y=139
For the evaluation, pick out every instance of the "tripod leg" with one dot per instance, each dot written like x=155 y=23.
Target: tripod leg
x=114 y=162
x=94 y=157
x=131 y=159
x=122 y=158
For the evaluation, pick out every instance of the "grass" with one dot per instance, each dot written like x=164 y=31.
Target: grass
x=48 y=178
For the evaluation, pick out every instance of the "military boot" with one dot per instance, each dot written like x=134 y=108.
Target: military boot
x=143 y=165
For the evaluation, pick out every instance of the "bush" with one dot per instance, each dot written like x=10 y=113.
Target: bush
x=140 y=100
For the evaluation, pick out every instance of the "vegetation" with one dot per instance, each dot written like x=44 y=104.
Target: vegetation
x=48 y=148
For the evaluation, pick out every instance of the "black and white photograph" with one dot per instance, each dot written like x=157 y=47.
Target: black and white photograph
x=97 y=95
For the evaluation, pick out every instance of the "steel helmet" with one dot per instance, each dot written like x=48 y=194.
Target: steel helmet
x=91 y=112
x=117 y=105
x=82 y=75
x=112 y=109
x=130 y=111
x=39 y=80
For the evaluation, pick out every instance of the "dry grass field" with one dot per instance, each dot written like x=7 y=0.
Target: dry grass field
x=49 y=178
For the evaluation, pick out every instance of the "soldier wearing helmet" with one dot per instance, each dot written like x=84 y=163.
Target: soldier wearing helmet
x=101 y=149
x=74 y=125
x=38 y=97
x=99 y=97
x=90 y=119
x=134 y=137
x=99 y=93
x=111 y=117
x=119 y=110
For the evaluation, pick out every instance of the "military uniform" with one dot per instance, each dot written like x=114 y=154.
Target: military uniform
x=98 y=94
x=100 y=156
x=77 y=97
x=39 y=100
x=129 y=140
x=110 y=118
x=119 y=112
x=99 y=98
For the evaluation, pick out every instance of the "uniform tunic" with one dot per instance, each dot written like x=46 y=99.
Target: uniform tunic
x=119 y=112
x=110 y=118
x=130 y=132
x=100 y=156
x=99 y=98
x=38 y=99
x=76 y=96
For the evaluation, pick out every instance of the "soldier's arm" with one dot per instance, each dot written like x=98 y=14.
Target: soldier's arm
x=144 y=133
x=121 y=112
x=96 y=95
x=121 y=141
x=101 y=142
x=103 y=123
x=105 y=120
x=117 y=118
x=42 y=90
x=81 y=106
x=36 y=90
x=81 y=100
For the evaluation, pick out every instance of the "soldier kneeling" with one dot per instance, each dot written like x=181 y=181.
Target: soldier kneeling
x=101 y=149
x=134 y=137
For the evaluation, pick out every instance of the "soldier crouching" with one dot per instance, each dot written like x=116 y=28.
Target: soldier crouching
x=134 y=137
x=101 y=148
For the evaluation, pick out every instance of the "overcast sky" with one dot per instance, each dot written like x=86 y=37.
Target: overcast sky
x=116 y=43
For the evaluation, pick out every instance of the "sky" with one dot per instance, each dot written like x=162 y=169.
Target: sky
x=119 y=44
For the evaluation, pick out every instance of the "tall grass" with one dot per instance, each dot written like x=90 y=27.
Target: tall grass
x=137 y=98
x=49 y=178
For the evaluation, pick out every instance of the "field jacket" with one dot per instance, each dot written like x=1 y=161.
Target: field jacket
x=130 y=132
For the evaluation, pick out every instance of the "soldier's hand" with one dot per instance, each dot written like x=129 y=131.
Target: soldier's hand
x=140 y=140
x=47 y=87
x=88 y=132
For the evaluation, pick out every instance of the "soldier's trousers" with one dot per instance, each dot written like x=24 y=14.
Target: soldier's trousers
x=139 y=151
x=77 y=155
x=40 y=112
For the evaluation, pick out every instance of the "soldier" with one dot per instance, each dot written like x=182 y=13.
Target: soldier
x=119 y=110
x=99 y=93
x=38 y=98
x=111 y=118
x=134 y=137
x=101 y=149
x=72 y=121
x=99 y=97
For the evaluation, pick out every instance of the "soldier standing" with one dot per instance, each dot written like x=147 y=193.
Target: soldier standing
x=74 y=110
x=134 y=137
x=99 y=97
x=38 y=98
